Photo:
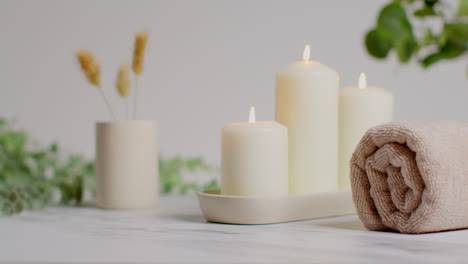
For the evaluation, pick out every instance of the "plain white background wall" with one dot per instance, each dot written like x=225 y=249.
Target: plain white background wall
x=207 y=62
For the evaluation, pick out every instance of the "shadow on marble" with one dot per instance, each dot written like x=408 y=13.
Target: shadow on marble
x=191 y=218
x=344 y=224
x=351 y=225
x=88 y=204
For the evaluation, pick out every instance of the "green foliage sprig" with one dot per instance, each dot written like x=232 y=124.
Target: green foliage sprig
x=35 y=177
x=394 y=30
x=171 y=174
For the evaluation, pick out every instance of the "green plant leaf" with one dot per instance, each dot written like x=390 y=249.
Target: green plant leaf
x=425 y=11
x=377 y=44
x=184 y=188
x=405 y=49
x=432 y=58
x=456 y=34
x=212 y=185
x=18 y=207
x=393 y=23
x=54 y=148
x=171 y=173
x=427 y=39
x=463 y=7
x=430 y=3
x=454 y=44
x=14 y=197
x=449 y=51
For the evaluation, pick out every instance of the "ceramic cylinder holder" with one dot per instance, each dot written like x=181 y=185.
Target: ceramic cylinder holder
x=126 y=164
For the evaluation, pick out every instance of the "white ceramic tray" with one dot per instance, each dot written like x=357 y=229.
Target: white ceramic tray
x=246 y=210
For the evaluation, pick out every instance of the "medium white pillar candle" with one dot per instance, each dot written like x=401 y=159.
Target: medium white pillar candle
x=307 y=104
x=254 y=158
x=361 y=108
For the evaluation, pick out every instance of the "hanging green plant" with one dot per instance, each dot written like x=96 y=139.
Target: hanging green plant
x=398 y=20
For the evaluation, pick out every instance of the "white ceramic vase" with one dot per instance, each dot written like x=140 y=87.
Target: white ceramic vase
x=126 y=164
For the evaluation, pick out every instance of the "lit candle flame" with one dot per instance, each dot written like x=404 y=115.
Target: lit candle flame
x=252 y=115
x=306 y=54
x=362 y=81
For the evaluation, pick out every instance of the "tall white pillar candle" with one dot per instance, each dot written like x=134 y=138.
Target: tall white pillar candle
x=307 y=104
x=361 y=108
x=254 y=158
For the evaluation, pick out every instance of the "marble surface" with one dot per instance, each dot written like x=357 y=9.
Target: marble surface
x=176 y=232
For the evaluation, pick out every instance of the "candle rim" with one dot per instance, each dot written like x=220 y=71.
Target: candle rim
x=298 y=68
x=259 y=124
x=370 y=89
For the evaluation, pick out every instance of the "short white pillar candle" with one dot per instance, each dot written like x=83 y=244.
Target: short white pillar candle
x=361 y=107
x=254 y=158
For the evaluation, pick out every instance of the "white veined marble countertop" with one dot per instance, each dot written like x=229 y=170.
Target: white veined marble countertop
x=176 y=232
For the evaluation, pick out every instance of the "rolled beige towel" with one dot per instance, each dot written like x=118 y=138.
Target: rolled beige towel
x=412 y=176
